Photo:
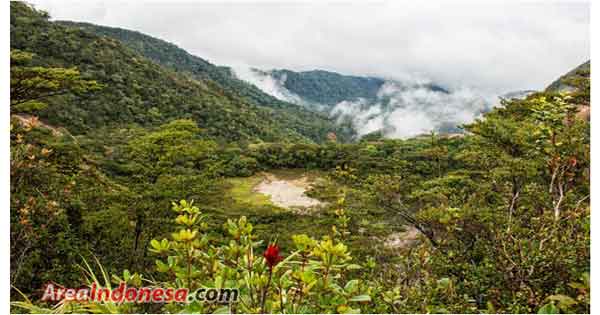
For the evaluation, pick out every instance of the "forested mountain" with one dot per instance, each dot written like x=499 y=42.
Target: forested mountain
x=577 y=83
x=390 y=107
x=137 y=90
x=359 y=105
x=132 y=164
x=324 y=87
x=171 y=56
x=317 y=86
x=568 y=80
x=328 y=88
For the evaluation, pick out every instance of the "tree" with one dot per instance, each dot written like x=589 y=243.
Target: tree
x=163 y=164
x=561 y=138
x=30 y=85
x=503 y=154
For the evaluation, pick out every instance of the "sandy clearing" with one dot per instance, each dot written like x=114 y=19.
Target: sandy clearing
x=287 y=193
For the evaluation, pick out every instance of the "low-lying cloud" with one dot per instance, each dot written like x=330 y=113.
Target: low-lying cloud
x=492 y=47
x=403 y=108
x=403 y=111
x=267 y=83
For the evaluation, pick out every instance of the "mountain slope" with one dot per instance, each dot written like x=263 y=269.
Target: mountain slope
x=137 y=90
x=565 y=82
x=322 y=89
x=577 y=83
x=170 y=55
x=326 y=87
x=367 y=104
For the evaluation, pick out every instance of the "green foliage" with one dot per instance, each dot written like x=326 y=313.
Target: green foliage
x=160 y=165
x=577 y=82
x=492 y=241
x=30 y=85
x=323 y=87
x=312 y=278
x=58 y=197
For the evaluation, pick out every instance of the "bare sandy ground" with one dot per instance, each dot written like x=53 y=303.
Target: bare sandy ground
x=287 y=193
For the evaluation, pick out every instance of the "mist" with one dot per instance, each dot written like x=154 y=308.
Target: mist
x=267 y=84
x=404 y=107
x=404 y=111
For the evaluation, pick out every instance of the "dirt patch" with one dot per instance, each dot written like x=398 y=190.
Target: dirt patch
x=287 y=193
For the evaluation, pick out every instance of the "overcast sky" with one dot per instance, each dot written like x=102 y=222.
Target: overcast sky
x=495 y=47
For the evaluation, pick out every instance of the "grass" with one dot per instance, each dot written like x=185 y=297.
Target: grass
x=293 y=174
x=270 y=222
x=242 y=191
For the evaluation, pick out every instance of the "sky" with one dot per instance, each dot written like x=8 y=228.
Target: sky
x=496 y=47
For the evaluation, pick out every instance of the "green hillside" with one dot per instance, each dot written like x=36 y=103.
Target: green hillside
x=326 y=87
x=330 y=88
x=582 y=70
x=175 y=58
x=576 y=82
x=137 y=90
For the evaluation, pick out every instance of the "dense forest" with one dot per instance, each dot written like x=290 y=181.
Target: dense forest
x=330 y=88
x=324 y=87
x=175 y=58
x=319 y=87
x=138 y=164
x=139 y=91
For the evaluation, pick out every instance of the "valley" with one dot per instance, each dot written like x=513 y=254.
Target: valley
x=368 y=105
x=134 y=161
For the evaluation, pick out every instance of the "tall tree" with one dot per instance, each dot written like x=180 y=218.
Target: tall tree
x=31 y=85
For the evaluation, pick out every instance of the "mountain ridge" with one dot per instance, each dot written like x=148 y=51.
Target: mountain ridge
x=366 y=103
x=170 y=55
x=137 y=90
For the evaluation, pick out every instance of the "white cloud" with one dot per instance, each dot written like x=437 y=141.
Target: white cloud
x=409 y=123
x=409 y=109
x=266 y=83
x=497 y=47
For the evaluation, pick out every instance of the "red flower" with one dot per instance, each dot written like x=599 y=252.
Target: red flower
x=272 y=255
x=573 y=161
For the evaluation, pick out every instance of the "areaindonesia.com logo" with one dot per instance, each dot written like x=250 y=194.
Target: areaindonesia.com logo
x=125 y=294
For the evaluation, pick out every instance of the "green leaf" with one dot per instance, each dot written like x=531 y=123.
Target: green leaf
x=360 y=298
x=563 y=301
x=548 y=309
x=155 y=244
x=161 y=266
x=222 y=310
x=353 y=267
x=351 y=286
x=350 y=310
